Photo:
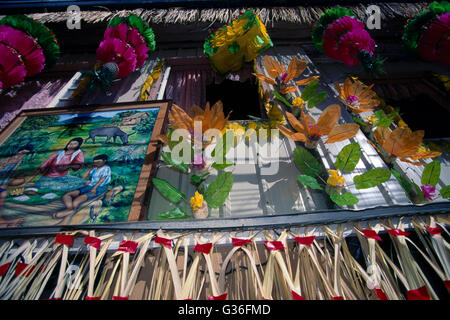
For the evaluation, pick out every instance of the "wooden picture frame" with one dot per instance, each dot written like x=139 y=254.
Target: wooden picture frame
x=141 y=195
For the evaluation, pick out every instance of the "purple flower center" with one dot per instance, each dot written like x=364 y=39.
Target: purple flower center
x=428 y=191
x=283 y=76
x=352 y=99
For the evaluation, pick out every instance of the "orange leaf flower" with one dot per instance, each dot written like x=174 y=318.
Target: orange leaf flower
x=357 y=96
x=404 y=143
x=276 y=70
x=211 y=118
x=308 y=130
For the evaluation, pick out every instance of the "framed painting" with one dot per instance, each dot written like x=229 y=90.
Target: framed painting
x=79 y=165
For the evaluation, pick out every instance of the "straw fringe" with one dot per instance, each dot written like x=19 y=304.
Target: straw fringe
x=297 y=15
x=324 y=270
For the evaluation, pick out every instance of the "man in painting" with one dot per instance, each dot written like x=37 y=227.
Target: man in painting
x=100 y=177
x=55 y=169
x=10 y=179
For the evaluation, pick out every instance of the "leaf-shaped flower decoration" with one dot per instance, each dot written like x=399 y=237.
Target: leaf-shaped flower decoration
x=279 y=77
x=357 y=96
x=403 y=143
x=309 y=131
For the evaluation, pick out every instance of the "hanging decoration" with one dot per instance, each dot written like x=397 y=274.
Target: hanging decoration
x=240 y=41
x=126 y=44
x=26 y=48
x=341 y=36
x=427 y=33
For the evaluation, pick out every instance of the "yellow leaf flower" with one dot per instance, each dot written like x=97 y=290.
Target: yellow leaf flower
x=196 y=201
x=298 y=102
x=335 y=179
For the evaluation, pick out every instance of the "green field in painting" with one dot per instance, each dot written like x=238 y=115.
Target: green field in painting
x=50 y=134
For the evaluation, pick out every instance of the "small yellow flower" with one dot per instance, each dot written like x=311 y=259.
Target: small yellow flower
x=238 y=130
x=335 y=179
x=196 y=201
x=252 y=125
x=298 y=102
x=371 y=119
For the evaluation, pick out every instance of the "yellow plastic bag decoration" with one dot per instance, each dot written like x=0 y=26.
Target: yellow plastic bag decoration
x=241 y=41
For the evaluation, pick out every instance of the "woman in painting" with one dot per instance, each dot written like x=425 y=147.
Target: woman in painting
x=10 y=179
x=55 y=169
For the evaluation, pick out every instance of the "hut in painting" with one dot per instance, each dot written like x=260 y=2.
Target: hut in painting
x=299 y=217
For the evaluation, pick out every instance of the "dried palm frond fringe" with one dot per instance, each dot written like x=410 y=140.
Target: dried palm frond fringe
x=403 y=265
x=297 y=15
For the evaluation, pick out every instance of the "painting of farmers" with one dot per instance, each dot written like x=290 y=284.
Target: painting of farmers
x=79 y=166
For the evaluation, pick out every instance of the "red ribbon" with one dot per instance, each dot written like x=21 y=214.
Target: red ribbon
x=203 y=248
x=119 y=298
x=92 y=298
x=398 y=232
x=4 y=268
x=128 y=246
x=338 y=298
x=447 y=284
x=221 y=297
x=21 y=267
x=164 y=242
x=434 y=231
x=240 y=242
x=307 y=241
x=274 y=245
x=418 y=294
x=296 y=296
x=371 y=234
x=93 y=241
x=380 y=294
x=64 y=239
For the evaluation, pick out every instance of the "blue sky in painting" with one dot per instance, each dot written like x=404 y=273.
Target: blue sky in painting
x=106 y=114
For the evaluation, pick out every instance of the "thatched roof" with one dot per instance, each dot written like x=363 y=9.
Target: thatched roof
x=298 y=15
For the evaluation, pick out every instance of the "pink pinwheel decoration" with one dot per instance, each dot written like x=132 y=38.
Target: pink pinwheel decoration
x=345 y=38
x=132 y=37
x=434 y=43
x=12 y=68
x=120 y=52
x=26 y=46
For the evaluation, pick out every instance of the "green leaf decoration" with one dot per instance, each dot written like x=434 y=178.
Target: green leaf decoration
x=406 y=185
x=358 y=120
x=445 y=192
x=317 y=99
x=306 y=162
x=431 y=173
x=310 y=90
x=175 y=213
x=180 y=166
x=348 y=157
x=420 y=196
x=371 y=178
x=222 y=166
x=309 y=181
x=195 y=179
x=346 y=199
x=218 y=190
x=384 y=120
x=281 y=98
x=168 y=191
